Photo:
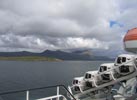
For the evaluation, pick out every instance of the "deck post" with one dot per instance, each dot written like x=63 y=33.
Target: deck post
x=27 y=95
x=58 y=92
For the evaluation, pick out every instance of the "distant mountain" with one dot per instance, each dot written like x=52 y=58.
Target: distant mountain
x=108 y=53
x=83 y=52
x=75 y=55
x=17 y=54
x=113 y=53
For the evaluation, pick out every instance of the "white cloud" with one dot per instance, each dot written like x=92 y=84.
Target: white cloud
x=55 y=24
x=85 y=43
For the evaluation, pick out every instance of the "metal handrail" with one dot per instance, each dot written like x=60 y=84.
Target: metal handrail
x=39 y=88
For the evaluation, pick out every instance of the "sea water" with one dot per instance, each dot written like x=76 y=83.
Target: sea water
x=20 y=75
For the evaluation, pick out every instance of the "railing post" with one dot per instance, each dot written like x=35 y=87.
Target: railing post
x=58 y=92
x=27 y=95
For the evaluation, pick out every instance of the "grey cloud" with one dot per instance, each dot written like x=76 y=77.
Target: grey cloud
x=53 y=24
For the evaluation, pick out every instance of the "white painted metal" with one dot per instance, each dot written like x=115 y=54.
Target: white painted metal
x=108 y=66
x=79 y=84
x=27 y=95
x=131 y=46
x=92 y=79
x=131 y=65
x=53 y=97
x=117 y=80
x=58 y=92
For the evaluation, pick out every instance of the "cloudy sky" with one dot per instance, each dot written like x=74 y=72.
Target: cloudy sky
x=37 y=25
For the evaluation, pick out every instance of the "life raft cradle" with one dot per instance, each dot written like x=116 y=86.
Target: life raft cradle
x=110 y=83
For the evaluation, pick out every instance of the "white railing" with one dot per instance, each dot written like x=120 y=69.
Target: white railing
x=58 y=96
x=55 y=97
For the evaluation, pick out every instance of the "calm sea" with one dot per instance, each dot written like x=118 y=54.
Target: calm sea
x=18 y=75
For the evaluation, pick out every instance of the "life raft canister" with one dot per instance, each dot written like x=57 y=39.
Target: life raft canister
x=130 y=41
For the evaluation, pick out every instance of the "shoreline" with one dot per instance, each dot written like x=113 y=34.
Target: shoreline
x=29 y=58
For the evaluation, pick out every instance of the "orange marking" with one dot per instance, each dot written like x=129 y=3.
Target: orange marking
x=131 y=35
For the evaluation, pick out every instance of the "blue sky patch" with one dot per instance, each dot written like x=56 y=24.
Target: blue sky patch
x=112 y=23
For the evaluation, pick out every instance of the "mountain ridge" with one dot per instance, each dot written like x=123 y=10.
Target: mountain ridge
x=59 y=54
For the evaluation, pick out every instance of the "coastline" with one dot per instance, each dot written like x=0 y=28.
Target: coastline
x=29 y=58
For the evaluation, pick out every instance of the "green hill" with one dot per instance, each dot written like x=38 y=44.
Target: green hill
x=29 y=58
